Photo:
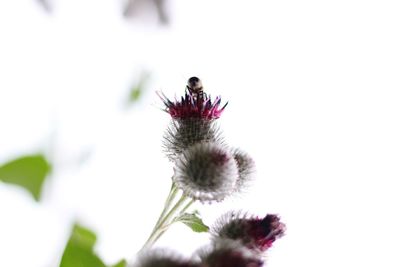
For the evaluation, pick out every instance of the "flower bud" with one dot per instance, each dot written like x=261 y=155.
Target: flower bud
x=206 y=171
x=246 y=167
x=255 y=233
x=161 y=258
x=227 y=254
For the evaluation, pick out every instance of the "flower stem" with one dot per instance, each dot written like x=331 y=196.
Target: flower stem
x=165 y=227
x=166 y=218
x=167 y=205
x=164 y=224
x=187 y=206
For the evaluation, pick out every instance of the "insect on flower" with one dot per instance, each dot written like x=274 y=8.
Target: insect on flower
x=195 y=88
x=194 y=104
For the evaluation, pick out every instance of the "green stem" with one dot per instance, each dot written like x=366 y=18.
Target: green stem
x=163 y=226
x=187 y=206
x=166 y=219
x=167 y=205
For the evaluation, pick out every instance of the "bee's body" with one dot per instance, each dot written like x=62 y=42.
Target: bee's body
x=195 y=88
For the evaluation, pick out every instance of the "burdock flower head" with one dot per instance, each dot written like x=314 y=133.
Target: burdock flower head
x=206 y=171
x=193 y=119
x=254 y=233
x=162 y=258
x=228 y=254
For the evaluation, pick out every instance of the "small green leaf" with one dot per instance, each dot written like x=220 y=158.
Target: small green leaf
x=139 y=87
x=28 y=172
x=193 y=221
x=121 y=263
x=79 y=250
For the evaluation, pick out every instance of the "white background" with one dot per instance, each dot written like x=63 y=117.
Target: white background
x=313 y=91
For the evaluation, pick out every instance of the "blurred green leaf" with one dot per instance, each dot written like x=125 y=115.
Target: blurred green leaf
x=28 y=172
x=121 y=263
x=79 y=250
x=193 y=221
x=135 y=94
x=137 y=90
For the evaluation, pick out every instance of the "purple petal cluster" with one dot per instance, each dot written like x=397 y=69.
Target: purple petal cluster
x=255 y=233
x=192 y=106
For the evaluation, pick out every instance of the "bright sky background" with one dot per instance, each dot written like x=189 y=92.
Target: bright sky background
x=313 y=90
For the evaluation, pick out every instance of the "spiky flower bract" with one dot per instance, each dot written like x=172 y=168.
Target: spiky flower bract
x=255 y=233
x=206 y=171
x=227 y=254
x=163 y=258
x=193 y=119
x=183 y=133
x=246 y=167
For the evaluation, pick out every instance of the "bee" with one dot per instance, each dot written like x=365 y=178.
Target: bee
x=195 y=88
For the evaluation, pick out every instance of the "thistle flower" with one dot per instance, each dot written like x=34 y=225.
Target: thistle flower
x=255 y=233
x=206 y=171
x=193 y=119
x=162 y=258
x=246 y=167
x=228 y=254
